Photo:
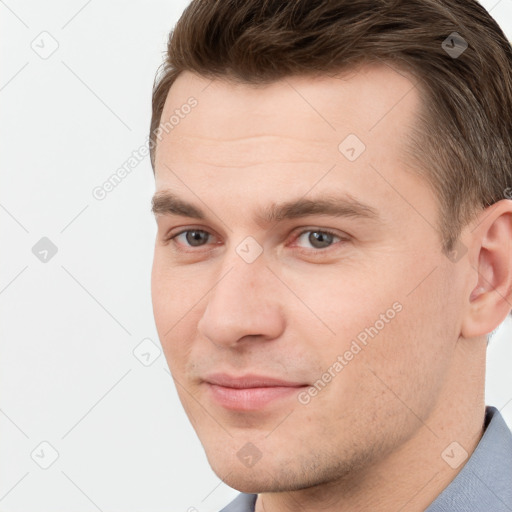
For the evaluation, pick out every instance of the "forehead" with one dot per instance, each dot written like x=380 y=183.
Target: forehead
x=297 y=118
x=289 y=132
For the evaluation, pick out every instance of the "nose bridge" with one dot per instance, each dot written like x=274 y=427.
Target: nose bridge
x=245 y=273
x=244 y=287
x=242 y=302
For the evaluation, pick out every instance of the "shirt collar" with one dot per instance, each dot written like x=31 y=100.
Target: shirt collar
x=484 y=484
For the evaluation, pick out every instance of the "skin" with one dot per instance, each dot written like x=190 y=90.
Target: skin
x=372 y=438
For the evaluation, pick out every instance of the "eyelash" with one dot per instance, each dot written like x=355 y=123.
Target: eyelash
x=190 y=249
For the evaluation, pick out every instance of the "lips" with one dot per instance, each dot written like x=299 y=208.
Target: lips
x=249 y=392
x=249 y=381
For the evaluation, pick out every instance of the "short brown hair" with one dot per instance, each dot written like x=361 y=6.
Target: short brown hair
x=462 y=143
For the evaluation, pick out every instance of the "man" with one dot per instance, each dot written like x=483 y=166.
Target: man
x=334 y=247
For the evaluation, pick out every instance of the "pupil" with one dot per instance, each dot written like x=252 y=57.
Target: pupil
x=195 y=238
x=319 y=239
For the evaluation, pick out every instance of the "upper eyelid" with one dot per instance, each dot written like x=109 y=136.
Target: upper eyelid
x=185 y=230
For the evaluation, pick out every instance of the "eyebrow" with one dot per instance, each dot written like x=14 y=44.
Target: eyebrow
x=167 y=203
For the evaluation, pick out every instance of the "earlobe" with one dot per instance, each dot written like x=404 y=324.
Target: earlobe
x=490 y=300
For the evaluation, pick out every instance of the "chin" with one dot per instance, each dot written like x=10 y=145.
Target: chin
x=251 y=480
x=247 y=482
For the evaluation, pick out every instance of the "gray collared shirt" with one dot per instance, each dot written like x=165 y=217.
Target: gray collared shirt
x=484 y=484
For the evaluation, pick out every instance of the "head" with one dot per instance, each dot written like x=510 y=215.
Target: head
x=332 y=203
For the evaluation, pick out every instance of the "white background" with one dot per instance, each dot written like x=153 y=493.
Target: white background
x=69 y=326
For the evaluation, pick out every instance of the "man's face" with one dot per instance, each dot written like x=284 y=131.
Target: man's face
x=360 y=293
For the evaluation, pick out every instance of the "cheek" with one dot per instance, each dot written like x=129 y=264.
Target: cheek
x=162 y=295
x=174 y=290
x=410 y=358
x=390 y=339
x=344 y=304
x=173 y=310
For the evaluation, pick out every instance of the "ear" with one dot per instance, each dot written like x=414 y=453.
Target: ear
x=490 y=301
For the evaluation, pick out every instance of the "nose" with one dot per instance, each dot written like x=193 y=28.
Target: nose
x=243 y=305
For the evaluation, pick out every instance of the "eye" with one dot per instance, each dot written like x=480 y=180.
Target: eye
x=192 y=237
x=318 y=239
